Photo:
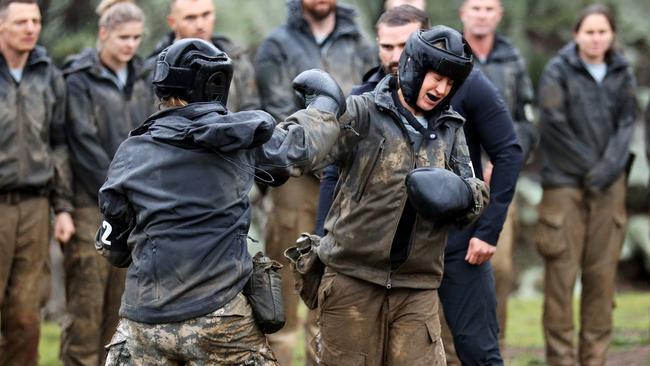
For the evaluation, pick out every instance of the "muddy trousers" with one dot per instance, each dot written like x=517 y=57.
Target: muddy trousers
x=580 y=233
x=469 y=304
x=93 y=291
x=24 y=240
x=366 y=324
x=294 y=212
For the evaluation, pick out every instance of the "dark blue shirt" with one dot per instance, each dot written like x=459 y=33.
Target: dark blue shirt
x=488 y=126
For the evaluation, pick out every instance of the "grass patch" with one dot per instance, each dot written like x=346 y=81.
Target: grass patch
x=524 y=337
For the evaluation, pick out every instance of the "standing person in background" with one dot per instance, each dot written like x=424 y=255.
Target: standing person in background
x=587 y=114
x=108 y=96
x=317 y=34
x=418 y=4
x=504 y=66
x=196 y=19
x=34 y=177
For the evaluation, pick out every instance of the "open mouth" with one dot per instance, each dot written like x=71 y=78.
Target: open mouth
x=432 y=98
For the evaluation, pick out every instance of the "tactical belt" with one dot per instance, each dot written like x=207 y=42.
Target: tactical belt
x=16 y=196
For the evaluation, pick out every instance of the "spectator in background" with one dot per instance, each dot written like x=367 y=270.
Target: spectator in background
x=587 y=114
x=418 y=4
x=503 y=64
x=34 y=177
x=108 y=96
x=196 y=19
x=317 y=34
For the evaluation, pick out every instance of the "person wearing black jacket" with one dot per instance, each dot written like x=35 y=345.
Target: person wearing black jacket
x=466 y=288
x=587 y=100
x=178 y=186
x=108 y=96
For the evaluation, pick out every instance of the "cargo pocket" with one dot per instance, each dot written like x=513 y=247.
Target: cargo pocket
x=549 y=235
x=437 y=356
x=117 y=353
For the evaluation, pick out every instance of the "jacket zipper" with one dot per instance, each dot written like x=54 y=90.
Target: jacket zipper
x=20 y=132
x=389 y=280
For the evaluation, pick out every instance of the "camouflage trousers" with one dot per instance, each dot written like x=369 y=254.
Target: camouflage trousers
x=24 y=238
x=225 y=337
x=93 y=292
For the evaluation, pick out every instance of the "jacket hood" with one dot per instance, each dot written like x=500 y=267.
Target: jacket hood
x=569 y=53
x=345 y=18
x=209 y=125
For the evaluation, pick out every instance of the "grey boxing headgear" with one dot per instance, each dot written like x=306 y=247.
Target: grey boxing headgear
x=193 y=70
x=422 y=53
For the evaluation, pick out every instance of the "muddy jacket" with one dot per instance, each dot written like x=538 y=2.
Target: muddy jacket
x=243 y=94
x=506 y=69
x=184 y=177
x=34 y=156
x=291 y=49
x=585 y=127
x=375 y=154
x=101 y=113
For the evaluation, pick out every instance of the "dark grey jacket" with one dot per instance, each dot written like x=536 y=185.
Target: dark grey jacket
x=100 y=116
x=184 y=177
x=375 y=153
x=291 y=49
x=585 y=127
x=243 y=94
x=34 y=156
x=506 y=69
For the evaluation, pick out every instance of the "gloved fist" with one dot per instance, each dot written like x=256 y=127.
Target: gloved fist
x=317 y=89
x=438 y=194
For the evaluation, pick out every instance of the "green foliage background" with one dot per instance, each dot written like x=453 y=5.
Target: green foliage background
x=538 y=28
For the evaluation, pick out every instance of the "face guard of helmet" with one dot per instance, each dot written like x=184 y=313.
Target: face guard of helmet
x=193 y=70
x=439 y=49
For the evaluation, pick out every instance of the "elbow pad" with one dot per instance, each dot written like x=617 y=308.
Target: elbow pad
x=438 y=194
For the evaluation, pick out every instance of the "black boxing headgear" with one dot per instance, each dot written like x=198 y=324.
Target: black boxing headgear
x=439 y=49
x=193 y=70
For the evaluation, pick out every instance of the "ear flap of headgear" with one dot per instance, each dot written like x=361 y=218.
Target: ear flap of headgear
x=193 y=70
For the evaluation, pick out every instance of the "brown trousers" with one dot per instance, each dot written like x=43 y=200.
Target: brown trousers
x=294 y=212
x=365 y=324
x=93 y=292
x=579 y=232
x=24 y=240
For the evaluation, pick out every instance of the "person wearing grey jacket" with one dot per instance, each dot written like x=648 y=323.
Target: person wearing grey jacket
x=34 y=178
x=587 y=113
x=317 y=34
x=108 y=96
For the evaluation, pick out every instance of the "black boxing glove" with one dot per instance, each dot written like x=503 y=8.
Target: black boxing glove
x=438 y=194
x=318 y=90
